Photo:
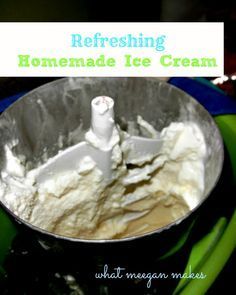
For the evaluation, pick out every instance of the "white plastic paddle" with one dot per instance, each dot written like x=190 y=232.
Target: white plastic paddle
x=100 y=140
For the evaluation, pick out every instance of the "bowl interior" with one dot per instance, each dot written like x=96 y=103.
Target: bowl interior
x=57 y=114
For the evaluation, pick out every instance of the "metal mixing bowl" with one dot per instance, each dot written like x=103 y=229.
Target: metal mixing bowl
x=40 y=118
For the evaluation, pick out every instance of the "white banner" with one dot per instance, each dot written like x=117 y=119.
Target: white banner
x=111 y=49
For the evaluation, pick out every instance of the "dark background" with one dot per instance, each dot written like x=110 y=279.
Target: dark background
x=104 y=10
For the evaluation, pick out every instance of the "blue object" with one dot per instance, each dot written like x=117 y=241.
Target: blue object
x=214 y=101
x=6 y=102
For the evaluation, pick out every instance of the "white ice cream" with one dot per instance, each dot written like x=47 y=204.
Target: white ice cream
x=141 y=198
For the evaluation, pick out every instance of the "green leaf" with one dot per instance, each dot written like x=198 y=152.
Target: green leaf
x=201 y=250
x=7 y=233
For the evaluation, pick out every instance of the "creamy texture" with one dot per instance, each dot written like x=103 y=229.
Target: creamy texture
x=142 y=197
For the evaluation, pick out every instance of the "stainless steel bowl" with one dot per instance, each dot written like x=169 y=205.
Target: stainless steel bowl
x=41 y=117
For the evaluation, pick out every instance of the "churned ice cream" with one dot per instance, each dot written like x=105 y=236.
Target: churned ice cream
x=141 y=196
